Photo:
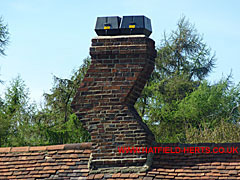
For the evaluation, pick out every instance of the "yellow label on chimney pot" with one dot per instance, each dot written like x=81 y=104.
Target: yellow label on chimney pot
x=131 y=26
x=106 y=27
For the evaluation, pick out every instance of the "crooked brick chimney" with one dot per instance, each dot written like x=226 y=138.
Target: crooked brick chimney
x=105 y=100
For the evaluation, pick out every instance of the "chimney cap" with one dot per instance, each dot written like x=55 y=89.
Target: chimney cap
x=108 y=26
x=130 y=25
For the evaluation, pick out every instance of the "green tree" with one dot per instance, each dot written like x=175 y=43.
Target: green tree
x=56 y=122
x=4 y=123
x=200 y=115
x=183 y=52
x=210 y=103
x=4 y=36
x=217 y=108
x=16 y=115
x=183 y=61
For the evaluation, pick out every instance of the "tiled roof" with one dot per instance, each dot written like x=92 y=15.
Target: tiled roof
x=70 y=162
x=45 y=162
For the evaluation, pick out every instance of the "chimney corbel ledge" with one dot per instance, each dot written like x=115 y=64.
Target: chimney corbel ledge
x=104 y=103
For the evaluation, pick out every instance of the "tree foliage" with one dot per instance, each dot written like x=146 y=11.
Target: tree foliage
x=207 y=108
x=4 y=36
x=183 y=60
x=177 y=96
x=183 y=53
x=56 y=121
x=177 y=103
x=16 y=115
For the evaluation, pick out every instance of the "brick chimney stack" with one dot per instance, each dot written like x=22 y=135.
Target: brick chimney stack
x=104 y=103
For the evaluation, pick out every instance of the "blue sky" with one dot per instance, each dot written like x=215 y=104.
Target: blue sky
x=52 y=37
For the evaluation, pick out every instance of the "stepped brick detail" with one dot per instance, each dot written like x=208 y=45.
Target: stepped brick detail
x=104 y=103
